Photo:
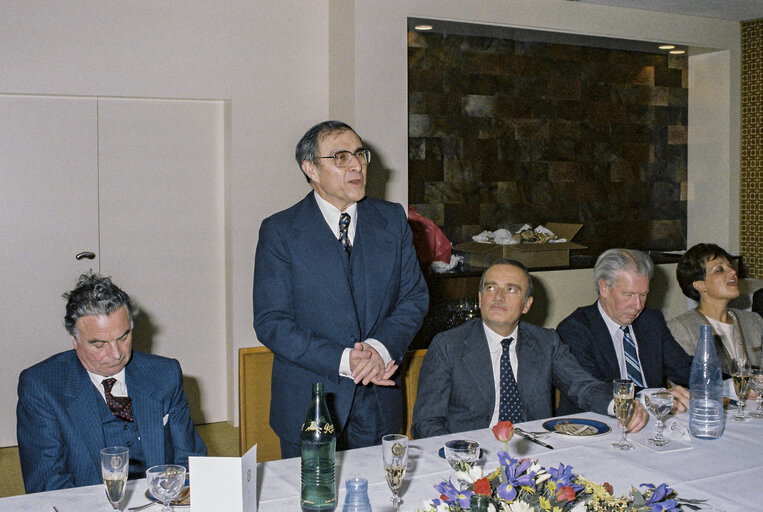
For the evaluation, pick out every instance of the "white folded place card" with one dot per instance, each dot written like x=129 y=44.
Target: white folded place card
x=224 y=483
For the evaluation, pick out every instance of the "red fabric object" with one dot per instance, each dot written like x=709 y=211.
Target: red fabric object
x=430 y=242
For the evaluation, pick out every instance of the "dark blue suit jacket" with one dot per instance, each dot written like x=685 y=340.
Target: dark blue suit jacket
x=307 y=311
x=661 y=355
x=59 y=425
x=457 y=387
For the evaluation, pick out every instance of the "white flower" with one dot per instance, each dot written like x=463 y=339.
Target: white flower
x=520 y=506
x=474 y=474
x=541 y=475
x=491 y=507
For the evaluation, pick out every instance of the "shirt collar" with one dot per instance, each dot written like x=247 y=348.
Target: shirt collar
x=331 y=215
x=612 y=326
x=98 y=379
x=494 y=339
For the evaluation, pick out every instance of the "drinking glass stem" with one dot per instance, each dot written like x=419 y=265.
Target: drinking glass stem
x=660 y=427
x=623 y=434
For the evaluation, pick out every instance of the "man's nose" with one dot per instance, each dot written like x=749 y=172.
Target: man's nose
x=639 y=302
x=114 y=351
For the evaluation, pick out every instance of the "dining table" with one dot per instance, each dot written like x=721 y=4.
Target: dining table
x=725 y=472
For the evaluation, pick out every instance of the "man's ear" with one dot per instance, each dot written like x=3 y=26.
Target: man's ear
x=603 y=287
x=699 y=286
x=74 y=341
x=310 y=170
x=528 y=303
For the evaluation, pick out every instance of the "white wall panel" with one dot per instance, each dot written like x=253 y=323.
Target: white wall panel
x=48 y=214
x=161 y=170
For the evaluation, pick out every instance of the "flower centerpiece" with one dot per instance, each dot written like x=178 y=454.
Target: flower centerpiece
x=525 y=486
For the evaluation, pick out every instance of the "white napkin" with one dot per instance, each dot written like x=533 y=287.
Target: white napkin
x=675 y=431
x=440 y=266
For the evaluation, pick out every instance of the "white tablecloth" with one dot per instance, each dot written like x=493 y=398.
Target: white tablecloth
x=727 y=472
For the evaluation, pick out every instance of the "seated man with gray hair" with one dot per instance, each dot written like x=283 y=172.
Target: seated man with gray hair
x=101 y=393
x=617 y=337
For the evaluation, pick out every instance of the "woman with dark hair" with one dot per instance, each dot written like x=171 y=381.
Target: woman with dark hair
x=706 y=275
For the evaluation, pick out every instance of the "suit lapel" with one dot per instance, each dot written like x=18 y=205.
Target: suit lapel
x=375 y=245
x=84 y=408
x=530 y=359
x=603 y=340
x=476 y=360
x=323 y=255
x=147 y=410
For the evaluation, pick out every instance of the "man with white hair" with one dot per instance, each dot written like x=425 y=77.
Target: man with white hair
x=617 y=337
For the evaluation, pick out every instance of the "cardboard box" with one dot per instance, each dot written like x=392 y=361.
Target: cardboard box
x=532 y=255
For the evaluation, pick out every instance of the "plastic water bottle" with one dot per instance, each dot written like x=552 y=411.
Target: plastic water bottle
x=318 y=442
x=357 y=496
x=706 y=389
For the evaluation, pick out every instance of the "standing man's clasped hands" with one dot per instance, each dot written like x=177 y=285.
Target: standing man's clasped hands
x=368 y=366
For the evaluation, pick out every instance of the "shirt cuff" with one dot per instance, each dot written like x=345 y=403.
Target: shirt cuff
x=344 y=364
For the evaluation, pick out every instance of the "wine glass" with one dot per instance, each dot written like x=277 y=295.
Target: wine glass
x=395 y=448
x=461 y=454
x=740 y=374
x=756 y=384
x=115 y=464
x=659 y=403
x=623 y=392
x=165 y=482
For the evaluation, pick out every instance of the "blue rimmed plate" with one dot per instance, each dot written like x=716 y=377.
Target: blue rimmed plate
x=576 y=427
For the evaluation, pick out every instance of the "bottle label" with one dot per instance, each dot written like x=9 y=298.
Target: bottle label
x=326 y=428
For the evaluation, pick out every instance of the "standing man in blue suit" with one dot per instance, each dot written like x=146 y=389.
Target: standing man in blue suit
x=617 y=337
x=338 y=295
x=100 y=394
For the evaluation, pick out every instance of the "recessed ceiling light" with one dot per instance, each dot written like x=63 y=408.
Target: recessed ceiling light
x=666 y=47
x=423 y=27
x=677 y=52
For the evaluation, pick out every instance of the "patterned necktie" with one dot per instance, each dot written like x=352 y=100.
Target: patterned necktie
x=632 y=367
x=120 y=405
x=344 y=239
x=510 y=407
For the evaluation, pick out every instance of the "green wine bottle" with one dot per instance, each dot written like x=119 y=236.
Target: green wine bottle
x=318 y=441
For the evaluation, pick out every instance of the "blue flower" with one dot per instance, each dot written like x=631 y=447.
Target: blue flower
x=563 y=477
x=449 y=494
x=515 y=476
x=658 y=495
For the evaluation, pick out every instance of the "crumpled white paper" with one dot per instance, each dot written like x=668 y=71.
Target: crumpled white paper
x=504 y=236
x=441 y=266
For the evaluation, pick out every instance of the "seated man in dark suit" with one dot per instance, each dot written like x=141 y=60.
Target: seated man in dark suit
x=497 y=368
x=100 y=394
x=617 y=337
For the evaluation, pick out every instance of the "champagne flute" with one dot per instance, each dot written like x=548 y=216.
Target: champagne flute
x=740 y=374
x=115 y=464
x=395 y=448
x=165 y=482
x=659 y=404
x=756 y=384
x=623 y=392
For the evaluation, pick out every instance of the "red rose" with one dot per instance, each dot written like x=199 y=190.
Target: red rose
x=482 y=486
x=565 y=493
x=608 y=487
x=503 y=431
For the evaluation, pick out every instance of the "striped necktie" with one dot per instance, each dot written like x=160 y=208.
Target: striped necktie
x=632 y=366
x=510 y=406
x=344 y=239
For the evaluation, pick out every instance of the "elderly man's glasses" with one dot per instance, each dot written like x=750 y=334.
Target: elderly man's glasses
x=343 y=158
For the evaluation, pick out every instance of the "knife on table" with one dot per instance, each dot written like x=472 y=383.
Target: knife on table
x=532 y=439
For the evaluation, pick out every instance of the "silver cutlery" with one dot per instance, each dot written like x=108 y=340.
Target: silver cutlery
x=533 y=439
x=141 y=507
